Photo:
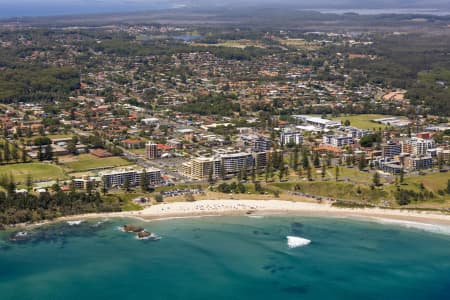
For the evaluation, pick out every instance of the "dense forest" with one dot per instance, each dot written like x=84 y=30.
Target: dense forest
x=211 y=105
x=37 y=84
x=416 y=62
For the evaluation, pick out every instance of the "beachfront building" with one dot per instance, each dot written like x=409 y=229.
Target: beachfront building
x=260 y=159
x=132 y=176
x=233 y=163
x=224 y=164
x=84 y=183
x=201 y=168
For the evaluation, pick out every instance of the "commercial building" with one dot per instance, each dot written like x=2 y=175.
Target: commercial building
x=317 y=121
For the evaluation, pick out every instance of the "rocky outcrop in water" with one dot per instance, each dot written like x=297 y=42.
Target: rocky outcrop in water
x=132 y=228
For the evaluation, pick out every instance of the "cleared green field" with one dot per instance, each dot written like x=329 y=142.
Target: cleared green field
x=339 y=190
x=300 y=44
x=363 y=121
x=87 y=162
x=353 y=174
x=433 y=182
x=241 y=44
x=38 y=171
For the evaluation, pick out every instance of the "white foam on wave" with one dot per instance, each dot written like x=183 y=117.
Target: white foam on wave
x=72 y=223
x=295 y=241
x=435 y=228
x=256 y=217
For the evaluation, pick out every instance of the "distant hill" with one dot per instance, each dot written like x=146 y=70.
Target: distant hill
x=30 y=8
x=335 y=4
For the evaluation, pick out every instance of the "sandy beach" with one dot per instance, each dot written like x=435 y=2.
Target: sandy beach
x=271 y=207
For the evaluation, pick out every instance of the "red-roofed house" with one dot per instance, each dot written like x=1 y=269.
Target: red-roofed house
x=132 y=144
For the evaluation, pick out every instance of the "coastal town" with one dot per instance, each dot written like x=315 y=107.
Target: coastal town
x=278 y=114
x=255 y=149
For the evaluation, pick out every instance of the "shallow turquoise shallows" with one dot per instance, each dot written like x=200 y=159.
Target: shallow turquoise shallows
x=227 y=258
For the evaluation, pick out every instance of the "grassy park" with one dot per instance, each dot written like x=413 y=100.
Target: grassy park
x=38 y=171
x=363 y=121
x=85 y=162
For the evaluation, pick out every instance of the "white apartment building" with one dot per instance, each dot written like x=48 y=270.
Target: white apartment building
x=291 y=137
x=118 y=177
x=337 y=141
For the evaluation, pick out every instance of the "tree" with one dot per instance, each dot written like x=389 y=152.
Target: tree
x=126 y=183
x=305 y=160
x=40 y=154
x=309 y=173
x=15 y=153
x=210 y=174
x=295 y=158
x=11 y=186
x=189 y=197
x=376 y=179
x=24 y=156
x=448 y=186
x=104 y=188
x=244 y=170
x=71 y=147
x=144 y=181
x=362 y=162
x=222 y=171
x=402 y=175
x=258 y=188
x=281 y=174
x=48 y=152
x=6 y=151
x=336 y=172
x=440 y=161
x=159 y=197
x=29 y=182
x=323 y=173
x=253 y=174
x=316 y=160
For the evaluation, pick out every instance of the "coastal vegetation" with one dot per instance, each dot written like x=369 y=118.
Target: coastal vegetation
x=26 y=207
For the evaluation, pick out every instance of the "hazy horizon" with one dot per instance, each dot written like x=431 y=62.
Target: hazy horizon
x=29 y=8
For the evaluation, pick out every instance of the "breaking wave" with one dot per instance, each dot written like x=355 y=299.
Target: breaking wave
x=72 y=223
x=295 y=241
x=435 y=228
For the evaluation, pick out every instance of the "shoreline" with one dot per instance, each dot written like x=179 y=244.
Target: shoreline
x=215 y=208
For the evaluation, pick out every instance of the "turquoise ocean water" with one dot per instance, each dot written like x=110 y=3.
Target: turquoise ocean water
x=227 y=258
